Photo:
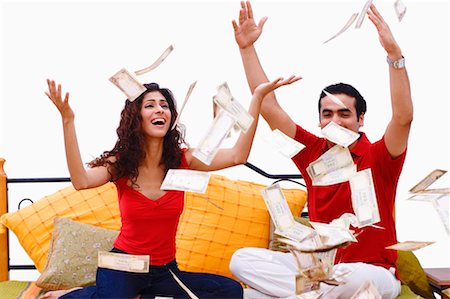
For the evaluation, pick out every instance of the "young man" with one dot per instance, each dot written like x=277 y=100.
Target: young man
x=273 y=273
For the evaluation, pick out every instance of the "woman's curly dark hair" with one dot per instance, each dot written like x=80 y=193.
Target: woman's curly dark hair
x=129 y=150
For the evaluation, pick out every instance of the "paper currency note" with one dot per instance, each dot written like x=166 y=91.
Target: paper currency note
x=128 y=84
x=226 y=101
x=346 y=26
x=215 y=135
x=335 y=99
x=335 y=158
x=333 y=235
x=188 y=94
x=278 y=207
x=364 y=199
x=409 y=245
x=367 y=291
x=442 y=207
x=339 y=135
x=287 y=146
x=400 y=9
x=428 y=180
x=304 y=285
x=363 y=14
x=335 y=177
x=297 y=232
x=157 y=62
x=316 y=294
x=124 y=262
x=186 y=180
x=183 y=286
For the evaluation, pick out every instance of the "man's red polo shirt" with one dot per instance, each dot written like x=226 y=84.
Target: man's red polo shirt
x=326 y=203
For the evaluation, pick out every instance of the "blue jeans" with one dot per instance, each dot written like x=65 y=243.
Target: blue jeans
x=158 y=282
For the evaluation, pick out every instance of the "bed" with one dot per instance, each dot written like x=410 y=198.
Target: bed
x=63 y=231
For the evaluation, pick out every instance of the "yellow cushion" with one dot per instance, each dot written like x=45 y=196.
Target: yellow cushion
x=33 y=225
x=208 y=236
x=412 y=274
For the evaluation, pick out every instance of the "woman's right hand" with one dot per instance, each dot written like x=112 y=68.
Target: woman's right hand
x=54 y=94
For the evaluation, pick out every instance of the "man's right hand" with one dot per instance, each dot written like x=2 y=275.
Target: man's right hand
x=246 y=33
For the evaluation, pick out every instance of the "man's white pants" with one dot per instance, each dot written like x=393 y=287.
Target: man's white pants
x=273 y=273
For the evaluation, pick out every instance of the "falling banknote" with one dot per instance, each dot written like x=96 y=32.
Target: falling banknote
x=400 y=9
x=428 y=180
x=225 y=100
x=287 y=146
x=157 y=62
x=335 y=99
x=339 y=135
x=282 y=216
x=363 y=14
x=128 y=84
x=409 y=245
x=346 y=26
x=188 y=94
x=334 y=166
x=186 y=180
x=215 y=135
x=364 y=200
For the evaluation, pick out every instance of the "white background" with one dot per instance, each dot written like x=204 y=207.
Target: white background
x=82 y=43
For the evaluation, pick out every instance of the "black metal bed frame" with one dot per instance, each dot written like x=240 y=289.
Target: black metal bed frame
x=276 y=177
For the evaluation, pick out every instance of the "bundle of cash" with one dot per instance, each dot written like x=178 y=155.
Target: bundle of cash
x=128 y=84
x=215 y=135
x=364 y=199
x=186 y=180
x=339 y=135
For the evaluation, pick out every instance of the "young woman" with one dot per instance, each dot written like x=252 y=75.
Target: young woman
x=145 y=150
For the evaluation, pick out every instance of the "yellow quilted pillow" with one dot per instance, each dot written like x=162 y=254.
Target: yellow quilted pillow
x=208 y=236
x=33 y=225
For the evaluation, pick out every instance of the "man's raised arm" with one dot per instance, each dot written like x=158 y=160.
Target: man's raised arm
x=397 y=131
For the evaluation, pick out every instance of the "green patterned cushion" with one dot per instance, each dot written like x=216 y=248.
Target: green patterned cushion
x=72 y=257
